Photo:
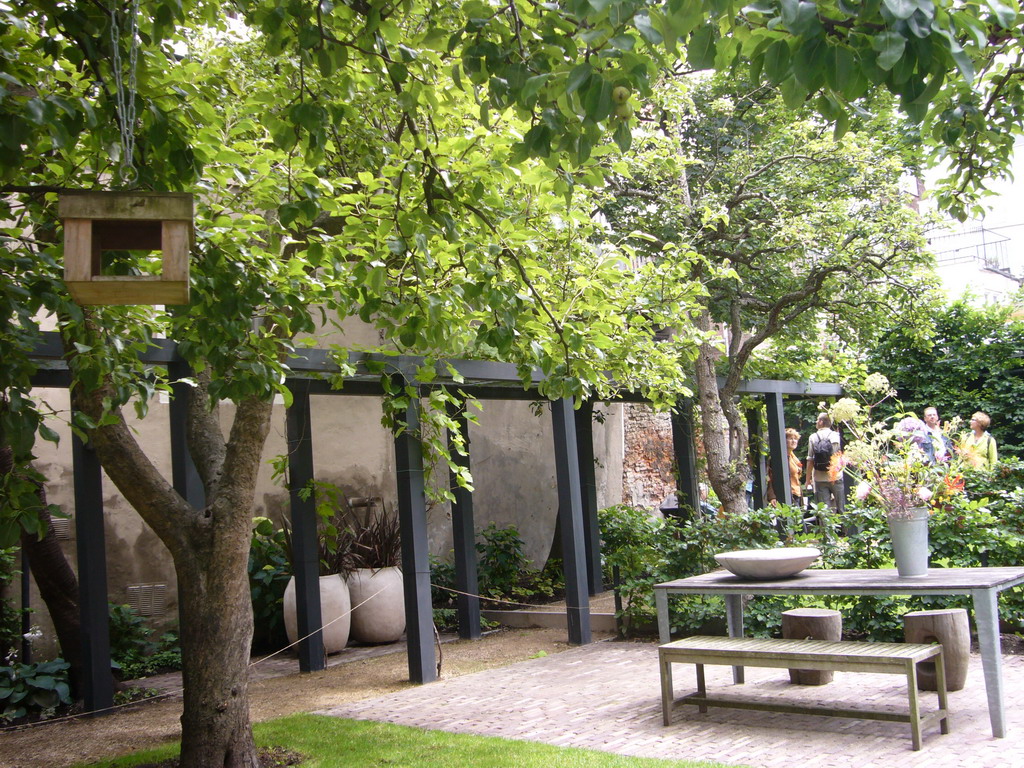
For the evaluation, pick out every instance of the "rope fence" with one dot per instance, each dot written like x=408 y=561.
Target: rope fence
x=257 y=662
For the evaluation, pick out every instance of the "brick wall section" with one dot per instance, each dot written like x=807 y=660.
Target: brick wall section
x=648 y=475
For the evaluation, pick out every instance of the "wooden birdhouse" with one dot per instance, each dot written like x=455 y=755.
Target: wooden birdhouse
x=98 y=225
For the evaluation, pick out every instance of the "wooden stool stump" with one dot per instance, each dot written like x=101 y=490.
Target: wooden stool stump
x=949 y=628
x=814 y=624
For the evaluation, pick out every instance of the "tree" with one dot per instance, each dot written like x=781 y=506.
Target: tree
x=412 y=166
x=972 y=360
x=413 y=222
x=802 y=235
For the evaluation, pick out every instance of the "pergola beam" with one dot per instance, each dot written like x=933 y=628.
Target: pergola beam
x=412 y=520
x=570 y=518
x=584 y=418
x=310 y=372
x=464 y=534
x=97 y=681
x=305 y=548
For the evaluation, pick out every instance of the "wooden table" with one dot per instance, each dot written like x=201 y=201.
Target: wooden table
x=982 y=584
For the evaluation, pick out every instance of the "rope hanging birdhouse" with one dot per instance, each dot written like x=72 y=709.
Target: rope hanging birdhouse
x=109 y=237
x=96 y=223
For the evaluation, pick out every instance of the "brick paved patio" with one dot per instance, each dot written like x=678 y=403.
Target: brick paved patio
x=606 y=696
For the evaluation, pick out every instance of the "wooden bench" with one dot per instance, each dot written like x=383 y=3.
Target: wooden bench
x=840 y=656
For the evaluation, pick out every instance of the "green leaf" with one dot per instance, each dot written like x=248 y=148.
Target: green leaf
x=646 y=29
x=1005 y=15
x=309 y=36
x=307 y=115
x=578 y=76
x=700 y=53
x=623 y=136
x=532 y=87
x=34 y=111
x=842 y=125
x=960 y=58
x=920 y=24
x=809 y=67
x=801 y=18
x=839 y=66
x=776 y=61
x=10 y=532
x=793 y=93
x=932 y=88
x=916 y=111
x=597 y=99
x=48 y=434
x=901 y=9
x=538 y=141
x=890 y=47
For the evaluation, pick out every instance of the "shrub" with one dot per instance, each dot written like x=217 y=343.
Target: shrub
x=633 y=552
x=442 y=581
x=501 y=560
x=33 y=691
x=129 y=635
x=1006 y=475
x=967 y=532
x=10 y=616
x=503 y=572
x=269 y=572
x=133 y=652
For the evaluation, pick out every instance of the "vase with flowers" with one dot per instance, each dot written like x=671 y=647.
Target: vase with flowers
x=896 y=471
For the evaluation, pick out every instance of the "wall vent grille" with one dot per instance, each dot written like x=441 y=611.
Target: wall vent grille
x=148 y=599
x=61 y=527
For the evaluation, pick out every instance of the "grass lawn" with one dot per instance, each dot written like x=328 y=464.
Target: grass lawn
x=331 y=742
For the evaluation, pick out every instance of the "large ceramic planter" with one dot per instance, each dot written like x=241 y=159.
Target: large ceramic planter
x=335 y=612
x=910 y=542
x=378 y=604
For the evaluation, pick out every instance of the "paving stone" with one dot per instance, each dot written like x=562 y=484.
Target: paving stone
x=606 y=696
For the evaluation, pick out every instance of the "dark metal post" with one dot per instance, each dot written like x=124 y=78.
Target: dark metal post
x=305 y=550
x=26 y=605
x=778 y=452
x=97 y=681
x=570 y=515
x=412 y=518
x=464 y=535
x=584 y=418
x=756 y=451
x=687 y=488
x=183 y=471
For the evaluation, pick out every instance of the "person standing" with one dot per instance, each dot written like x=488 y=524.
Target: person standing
x=979 y=447
x=941 y=447
x=821 y=447
x=796 y=469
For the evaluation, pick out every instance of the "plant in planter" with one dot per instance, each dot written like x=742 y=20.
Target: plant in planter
x=334 y=554
x=374 y=542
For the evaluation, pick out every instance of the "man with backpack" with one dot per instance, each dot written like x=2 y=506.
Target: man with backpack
x=821 y=447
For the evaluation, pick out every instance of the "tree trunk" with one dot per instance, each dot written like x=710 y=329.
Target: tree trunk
x=210 y=548
x=216 y=634
x=725 y=442
x=58 y=585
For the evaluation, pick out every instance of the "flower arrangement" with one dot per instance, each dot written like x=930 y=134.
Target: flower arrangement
x=893 y=459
